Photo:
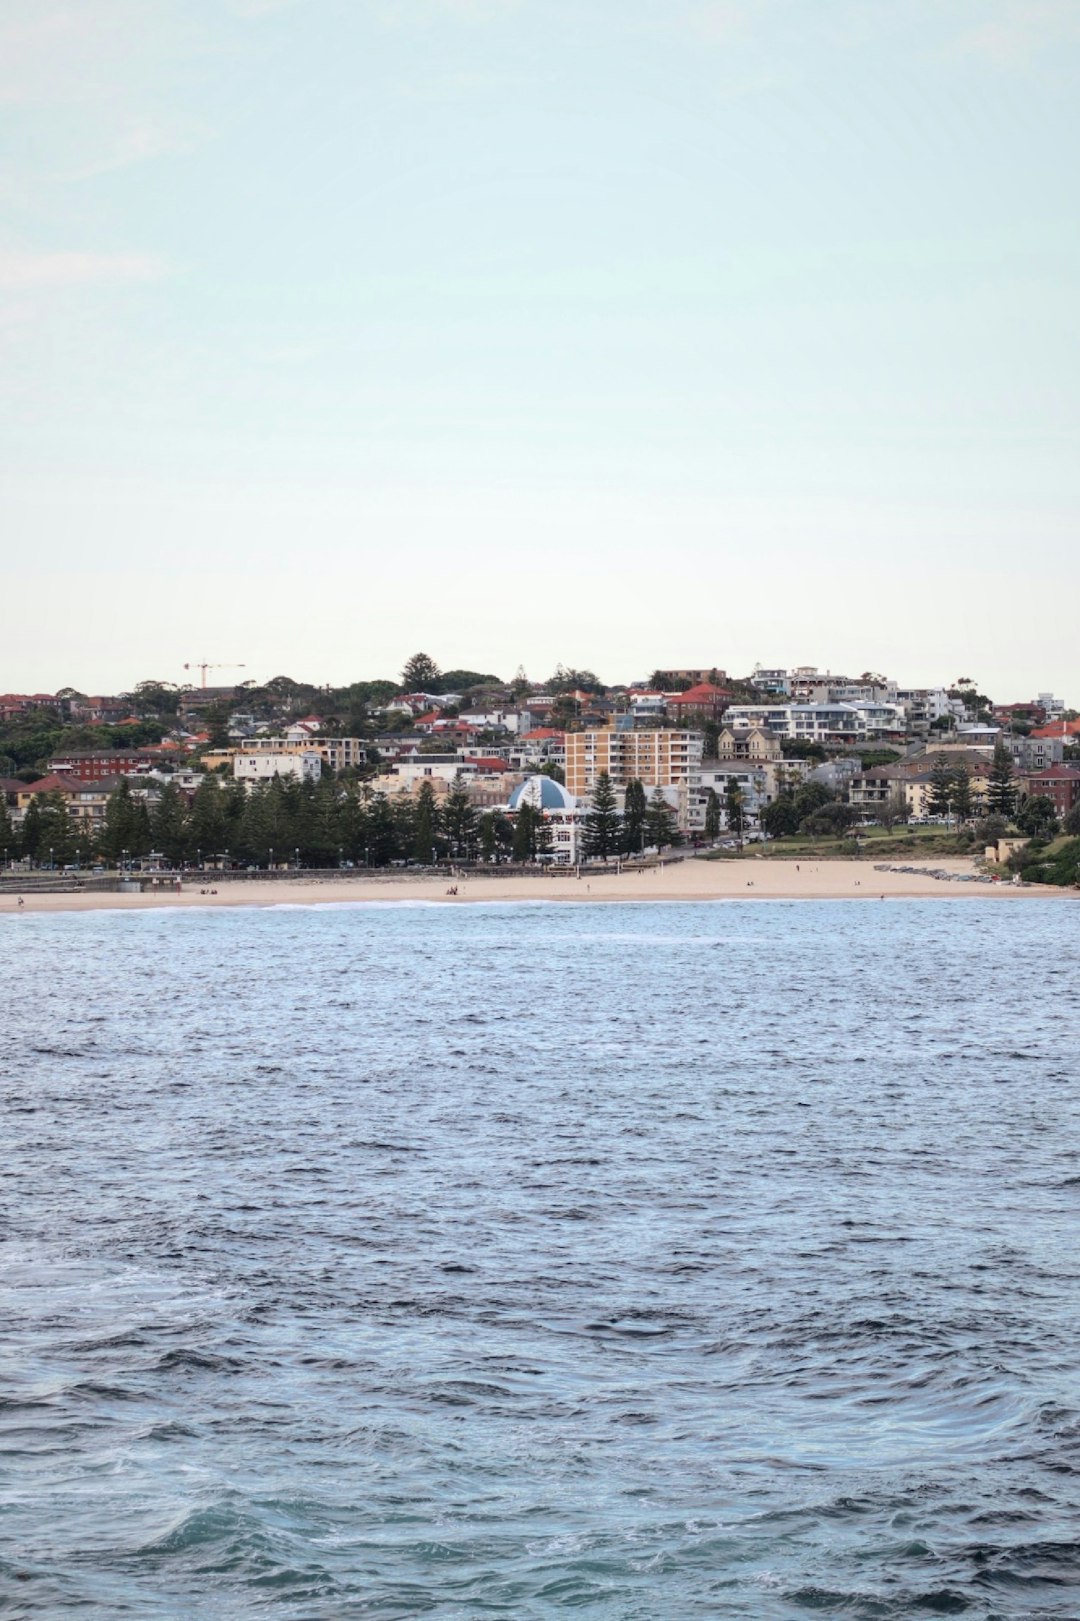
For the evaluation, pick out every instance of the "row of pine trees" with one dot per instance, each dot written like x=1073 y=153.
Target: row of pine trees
x=320 y=824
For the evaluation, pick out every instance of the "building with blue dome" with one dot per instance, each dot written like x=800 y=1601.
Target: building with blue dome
x=542 y=793
x=560 y=811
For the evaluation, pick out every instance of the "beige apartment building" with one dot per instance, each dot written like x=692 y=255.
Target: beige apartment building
x=658 y=759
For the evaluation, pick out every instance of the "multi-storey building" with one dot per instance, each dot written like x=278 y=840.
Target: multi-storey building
x=92 y=765
x=1059 y=783
x=260 y=765
x=1034 y=753
x=657 y=759
x=334 y=752
x=820 y=723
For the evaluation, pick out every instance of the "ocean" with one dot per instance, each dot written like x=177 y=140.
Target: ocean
x=652 y=1261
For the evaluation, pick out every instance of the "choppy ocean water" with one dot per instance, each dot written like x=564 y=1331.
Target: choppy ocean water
x=654 y=1261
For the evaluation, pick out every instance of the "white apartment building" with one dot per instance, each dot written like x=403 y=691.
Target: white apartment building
x=819 y=723
x=260 y=765
x=924 y=705
x=334 y=752
x=754 y=782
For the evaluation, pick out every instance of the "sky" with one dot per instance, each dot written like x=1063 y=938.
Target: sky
x=617 y=333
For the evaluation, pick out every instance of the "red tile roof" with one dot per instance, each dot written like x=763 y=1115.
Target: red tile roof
x=704 y=693
x=1058 y=728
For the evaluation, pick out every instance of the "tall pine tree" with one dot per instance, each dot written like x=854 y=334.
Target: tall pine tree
x=425 y=825
x=602 y=830
x=662 y=826
x=940 y=792
x=635 y=806
x=735 y=808
x=1001 y=788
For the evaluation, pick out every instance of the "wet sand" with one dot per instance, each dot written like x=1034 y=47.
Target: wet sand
x=677 y=881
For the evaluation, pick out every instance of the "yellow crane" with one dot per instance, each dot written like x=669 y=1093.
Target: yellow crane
x=207 y=664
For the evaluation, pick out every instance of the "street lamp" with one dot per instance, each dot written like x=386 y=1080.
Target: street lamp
x=296 y=852
x=270 y=868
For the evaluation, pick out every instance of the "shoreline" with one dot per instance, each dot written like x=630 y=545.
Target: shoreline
x=683 y=881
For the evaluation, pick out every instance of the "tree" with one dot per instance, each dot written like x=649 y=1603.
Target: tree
x=8 y=843
x=962 y=804
x=939 y=793
x=127 y=824
x=811 y=796
x=426 y=823
x=381 y=832
x=991 y=829
x=421 y=674
x=1072 y=821
x=30 y=832
x=206 y=823
x=1001 y=789
x=1037 y=817
x=662 y=828
x=160 y=697
x=169 y=824
x=48 y=832
x=217 y=723
x=526 y=820
x=459 y=818
x=829 y=819
x=735 y=808
x=488 y=839
x=712 y=814
x=635 y=808
x=465 y=680
x=564 y=711
x=602 y=820
x=781 y=817
x=564 y=680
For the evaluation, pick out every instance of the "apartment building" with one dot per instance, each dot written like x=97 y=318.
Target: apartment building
x=334 y=752
x=820 y=723
x=658 y=759
x=260 y=765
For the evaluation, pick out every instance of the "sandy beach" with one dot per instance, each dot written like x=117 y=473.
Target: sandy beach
x=676 y=881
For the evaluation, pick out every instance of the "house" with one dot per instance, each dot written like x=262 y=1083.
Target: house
x=1067 y=730
x=748 y=743
x=703 y=702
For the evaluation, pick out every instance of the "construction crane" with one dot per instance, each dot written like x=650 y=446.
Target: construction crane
x=206 y=664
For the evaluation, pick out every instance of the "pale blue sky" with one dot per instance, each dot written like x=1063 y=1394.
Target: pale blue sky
x=620 y=333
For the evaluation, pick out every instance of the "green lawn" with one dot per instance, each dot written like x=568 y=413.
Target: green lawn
x=873 y=844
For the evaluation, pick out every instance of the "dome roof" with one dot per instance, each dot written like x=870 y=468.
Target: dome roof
x=544 y=792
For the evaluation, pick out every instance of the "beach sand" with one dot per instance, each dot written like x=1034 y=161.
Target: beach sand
x=751 y=879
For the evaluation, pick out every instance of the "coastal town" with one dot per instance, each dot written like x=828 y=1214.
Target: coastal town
x=461 y=768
